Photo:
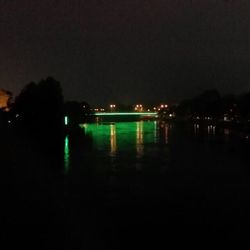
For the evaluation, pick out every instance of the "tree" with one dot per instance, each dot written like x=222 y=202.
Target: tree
x=74 y=111
x=38 y=114
x=207 y=104
x=244 y=106
x=40 y=104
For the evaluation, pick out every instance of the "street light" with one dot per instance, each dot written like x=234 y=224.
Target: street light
x=112 y=107
x=139 y=107
x=163 y=106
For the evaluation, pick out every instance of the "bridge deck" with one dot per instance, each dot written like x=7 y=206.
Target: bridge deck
x=126 y=113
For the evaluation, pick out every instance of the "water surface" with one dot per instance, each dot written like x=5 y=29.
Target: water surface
x=135 y=177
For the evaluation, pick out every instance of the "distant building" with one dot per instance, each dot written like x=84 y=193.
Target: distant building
x=4 y=98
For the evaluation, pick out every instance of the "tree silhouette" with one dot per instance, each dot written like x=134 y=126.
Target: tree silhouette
x=38 y=114
x=207 y=104
x=74 y=111
x=244 y=106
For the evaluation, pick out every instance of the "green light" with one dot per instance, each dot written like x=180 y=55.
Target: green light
x=66 y=120
x=66 y=154
x=122 y=136
x=125 y=113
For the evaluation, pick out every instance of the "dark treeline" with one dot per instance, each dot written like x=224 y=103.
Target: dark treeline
x=32 y=132
x=77 y=113
x=212 y=106
x=32 y=154
x=37 y=116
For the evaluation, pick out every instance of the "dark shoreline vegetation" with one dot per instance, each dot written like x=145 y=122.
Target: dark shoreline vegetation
x=37 y=191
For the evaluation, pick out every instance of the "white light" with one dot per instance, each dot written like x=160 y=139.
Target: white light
x=66 y=120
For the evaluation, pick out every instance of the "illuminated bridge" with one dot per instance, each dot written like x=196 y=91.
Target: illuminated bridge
x=117 y=116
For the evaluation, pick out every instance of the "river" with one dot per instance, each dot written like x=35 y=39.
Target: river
x=153 y=183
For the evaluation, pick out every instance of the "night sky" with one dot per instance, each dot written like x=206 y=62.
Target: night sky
x=126 y=51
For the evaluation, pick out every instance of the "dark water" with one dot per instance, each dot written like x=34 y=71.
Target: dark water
x=139 y=184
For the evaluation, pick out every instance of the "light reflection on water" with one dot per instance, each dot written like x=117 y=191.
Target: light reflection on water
x=177 y=169
x=113 y=147
x=196 y=128
x=155 y=132
x=226 y=131
x=211 y=129
x=139 y=139
x=166 y=133
x=132 y=140
x=66 y=154
x=122 y=136
x=136 y=141
x=132 y=137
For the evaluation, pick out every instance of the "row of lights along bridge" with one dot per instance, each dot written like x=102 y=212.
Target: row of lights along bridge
x=135 y=108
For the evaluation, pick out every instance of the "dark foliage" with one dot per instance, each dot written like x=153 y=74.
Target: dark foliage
x=38 y=115
x=77 y=112
x=211 y=104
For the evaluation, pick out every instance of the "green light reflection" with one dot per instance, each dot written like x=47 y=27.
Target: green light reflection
x=139 y=139
x=66 y=154
x=122 y=136
x=113 y=146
